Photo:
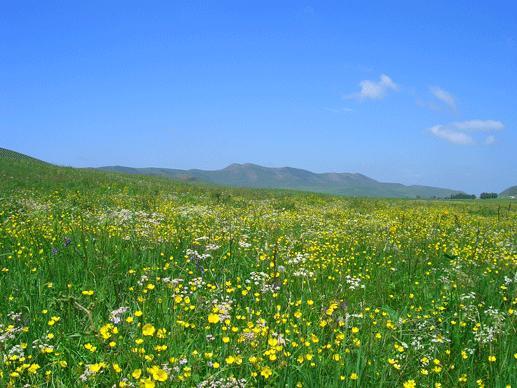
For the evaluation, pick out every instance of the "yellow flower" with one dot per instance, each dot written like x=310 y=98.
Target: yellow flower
x=33 y=368
x=148 y=330
x=354 y=376
x=492 y=358
x=272 y=341
x=88 y=292
x=138 y=313
x=90 y=347
x=214 y=318
x=94 y=368
x=146 y=383
x=53 y=321
x=105 y=331
x=117 y=368
x=158 y=373
x=355 y=330
x=137 y=373
x=410 y=384
x=266 y=372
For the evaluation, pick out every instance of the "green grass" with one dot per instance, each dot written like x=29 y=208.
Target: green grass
x=298 y=288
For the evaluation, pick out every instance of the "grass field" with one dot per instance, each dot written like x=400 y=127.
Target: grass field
x=121 y=280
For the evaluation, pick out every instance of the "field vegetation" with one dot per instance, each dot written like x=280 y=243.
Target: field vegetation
x=116 y=280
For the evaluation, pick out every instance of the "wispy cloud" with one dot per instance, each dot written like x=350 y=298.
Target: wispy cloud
x=479 y=125
x=444 y=96
x=374 y=90
x=490 y=140
x=461 y=132
x=452 y=136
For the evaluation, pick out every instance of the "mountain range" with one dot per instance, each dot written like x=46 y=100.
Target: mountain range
x=255 y=176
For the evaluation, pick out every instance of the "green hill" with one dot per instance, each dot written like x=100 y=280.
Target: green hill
x=509 y=192
x=13 y=155
x=255 y=176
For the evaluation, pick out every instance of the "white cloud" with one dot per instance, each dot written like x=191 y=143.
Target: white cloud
x=479 y=125
x=444 y=96
x=460 y=132
x=375 y=90
x=450 y=135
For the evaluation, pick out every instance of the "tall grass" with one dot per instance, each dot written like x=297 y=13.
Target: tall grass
x=121 y=280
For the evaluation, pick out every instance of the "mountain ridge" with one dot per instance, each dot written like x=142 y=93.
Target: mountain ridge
x=256 y=176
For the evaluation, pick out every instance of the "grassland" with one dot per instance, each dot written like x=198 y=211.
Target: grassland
x=111 y=279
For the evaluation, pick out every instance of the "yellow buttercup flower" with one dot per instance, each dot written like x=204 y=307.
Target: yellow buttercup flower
x=214 y=318
x=148 y=330
x=266 y=372
x=157 y=373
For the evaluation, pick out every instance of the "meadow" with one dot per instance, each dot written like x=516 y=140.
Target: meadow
x=116 y=280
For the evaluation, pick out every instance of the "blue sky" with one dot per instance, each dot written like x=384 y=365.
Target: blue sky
x=413 y=92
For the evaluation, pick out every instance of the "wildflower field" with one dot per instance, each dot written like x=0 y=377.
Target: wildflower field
x=118 y=280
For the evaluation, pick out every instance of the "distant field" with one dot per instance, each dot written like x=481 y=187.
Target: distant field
x=127 y=280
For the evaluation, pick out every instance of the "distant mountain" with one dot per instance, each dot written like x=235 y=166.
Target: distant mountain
x=509 y=192
x=255 y=176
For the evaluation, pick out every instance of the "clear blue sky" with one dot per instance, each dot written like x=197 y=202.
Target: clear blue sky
x=415 y=92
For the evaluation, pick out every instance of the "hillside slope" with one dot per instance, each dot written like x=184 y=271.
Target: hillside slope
x=509 y=192
x=13 y=155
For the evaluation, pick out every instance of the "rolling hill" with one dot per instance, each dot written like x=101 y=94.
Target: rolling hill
x=255 y=176
x=509 y=192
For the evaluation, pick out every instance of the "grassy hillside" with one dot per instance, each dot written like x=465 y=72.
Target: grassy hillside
x=16 y=156
x=129 y=280
x=251 y=175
